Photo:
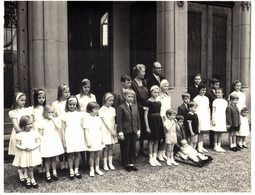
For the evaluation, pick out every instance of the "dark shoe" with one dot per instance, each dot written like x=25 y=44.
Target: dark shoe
x=234 y=149
x=48 y=179
x=34 y=185
x=71 y=176
x=239 y=147
x=128 y=168
x=133 y=168
x=29 y=184
x=78 y=175
x=244 y=146
x=23 y=181
x=55 y=177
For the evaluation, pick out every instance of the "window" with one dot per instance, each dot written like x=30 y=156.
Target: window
x=104 y=30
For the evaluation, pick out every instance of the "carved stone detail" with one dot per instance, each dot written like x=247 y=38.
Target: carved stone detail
x=180 y=3
x=245 y=5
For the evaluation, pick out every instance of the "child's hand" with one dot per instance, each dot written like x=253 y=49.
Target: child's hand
x=138 y=134
x=148 y=130
x=228 y=126
x=121 y=137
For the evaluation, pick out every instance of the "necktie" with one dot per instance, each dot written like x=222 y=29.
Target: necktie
x=129 y=105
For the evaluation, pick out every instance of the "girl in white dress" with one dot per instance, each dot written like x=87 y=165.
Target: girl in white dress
x=59 y=107
x=203 y=113
x=165 y=99
x=17 y=111
x=236 y=89
x=219 y=124
x=107 y=113
x=93 y=137
x=85 y=96
x=244 y=130
x=28 y=154
x=51 y=143
x=73 y=132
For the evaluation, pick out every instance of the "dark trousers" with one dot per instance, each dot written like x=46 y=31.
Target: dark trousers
x=211 y=138
x=128 y=146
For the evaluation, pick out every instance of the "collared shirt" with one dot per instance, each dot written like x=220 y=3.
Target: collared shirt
x=157 y=77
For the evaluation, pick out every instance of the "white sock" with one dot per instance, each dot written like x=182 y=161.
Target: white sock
x=54 y=171
x=76 y=170
x=20 y=172
x=71 y=172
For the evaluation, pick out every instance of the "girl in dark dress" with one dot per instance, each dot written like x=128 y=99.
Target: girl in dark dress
x=153 y=124
x=139 y=85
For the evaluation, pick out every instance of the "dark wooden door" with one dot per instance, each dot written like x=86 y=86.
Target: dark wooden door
x=87 y=56
x=209 y=42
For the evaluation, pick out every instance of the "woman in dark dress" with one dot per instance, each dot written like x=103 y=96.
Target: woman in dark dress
x=139 y=85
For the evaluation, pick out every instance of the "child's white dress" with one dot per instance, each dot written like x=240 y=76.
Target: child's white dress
x=51 y=144
x=37 y=113
x=241 y=102
x=244 y=127
x=165 y=103
x=25 y=158
x=74 y=133
x=220 y=115
x=16 y=114
x=93 y=133
x=59 y=107
x=84 y=100
x=108 y=114
x=203 y=112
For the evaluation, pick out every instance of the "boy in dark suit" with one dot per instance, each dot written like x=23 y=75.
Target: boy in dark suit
x=192 y=89
x=183 y=109
x=233 y=121
x=128 y=128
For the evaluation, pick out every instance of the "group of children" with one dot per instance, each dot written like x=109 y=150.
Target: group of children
x=72 y=125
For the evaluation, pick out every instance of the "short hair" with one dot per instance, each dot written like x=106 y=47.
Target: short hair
x=170 y=112
x=198 y=74
x=106 y=96
x=201 y=86
x=24 y=121
x=179 y=117
x=46 y=109
x=37 y=92
x=137 y=68
x=128 y=91
x=191 y=104
x=125 y=78
x=233 y=97
x=214 y=80
x=244 y=109
x=61 y=88
x=70 y=98
x=186 y=94
x=91 y=106
x=16 y=97
x=221 y=89
x=153 y=65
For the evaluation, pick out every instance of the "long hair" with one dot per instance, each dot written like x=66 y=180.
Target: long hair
x=37 y=92
x=233 y=86
x=61 y=88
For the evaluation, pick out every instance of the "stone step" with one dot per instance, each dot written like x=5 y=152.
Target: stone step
x=6 y=116
x=7 y=128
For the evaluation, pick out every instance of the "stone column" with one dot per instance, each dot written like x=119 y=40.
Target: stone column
x=48 y=46
x=172 y=35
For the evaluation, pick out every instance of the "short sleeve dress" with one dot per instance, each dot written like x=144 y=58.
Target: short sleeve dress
x=203 y=112
x=25 y=158
x=194 y=123
x=92 y=125
x=84 y=100
x=16 y=114
x=74 y=133
x=51 y=144
x=244 y=127
x=155 y=120
x=165 y=103
x=170 y=131
x=220 y=106
x=59 y=107
x=108 y=114
x=37 y=113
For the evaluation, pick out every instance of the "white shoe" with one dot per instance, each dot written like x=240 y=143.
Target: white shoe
x=204 y=150
x=92 y=173
x=168 y=162
x=106 y=168
x=111 y=167
x=157 y=163
x=221 y=149
x=165 y=157
x=216 y=148
x=152 y=163
x=99 y=172
x=173 y=162
x=160 y=158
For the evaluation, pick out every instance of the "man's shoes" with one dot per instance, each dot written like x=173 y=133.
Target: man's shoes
x=128 y=168
x=133 y=168
x=244 y=146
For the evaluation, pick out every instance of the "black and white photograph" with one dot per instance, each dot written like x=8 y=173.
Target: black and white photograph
x=126 y=96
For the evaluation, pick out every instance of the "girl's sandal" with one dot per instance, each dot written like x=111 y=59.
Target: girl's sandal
x=35 y=185
x=29 y=184
x=78 y=175
x=48 y=179
x=71 y=176
x=55 y=177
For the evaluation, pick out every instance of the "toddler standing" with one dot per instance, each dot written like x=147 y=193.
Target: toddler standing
x=28 y=154
x=107 y=113
x=244 y=130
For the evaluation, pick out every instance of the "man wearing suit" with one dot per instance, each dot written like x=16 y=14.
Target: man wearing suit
x=214 y=84
x=128 y=128
x=156 y=77
x=233 y=121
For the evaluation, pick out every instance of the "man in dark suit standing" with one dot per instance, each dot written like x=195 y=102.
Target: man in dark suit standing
x=155 y=78
x=214 y=84
x=128 y=128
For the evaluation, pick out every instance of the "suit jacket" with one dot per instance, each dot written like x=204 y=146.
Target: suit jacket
x=211 y=95
x=233 y=116
x=127 y=121
x=183 y=110
x=119 y=99
x=192 y=90
x=151 y=80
